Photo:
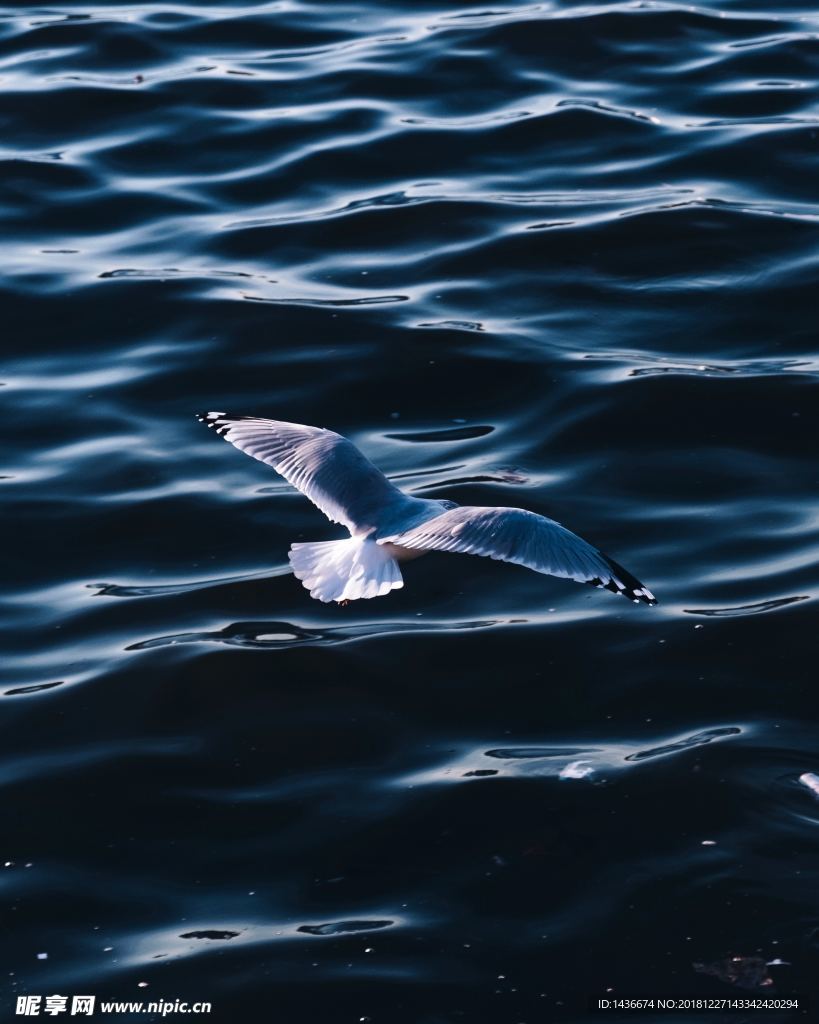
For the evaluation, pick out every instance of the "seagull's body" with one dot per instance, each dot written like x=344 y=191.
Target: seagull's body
x=387 y=526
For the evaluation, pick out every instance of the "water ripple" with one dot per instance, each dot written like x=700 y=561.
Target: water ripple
x=283 y=635
x=595 y=762
x=749 y=609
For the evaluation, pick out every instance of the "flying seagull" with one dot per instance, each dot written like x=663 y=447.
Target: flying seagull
x=388 y=526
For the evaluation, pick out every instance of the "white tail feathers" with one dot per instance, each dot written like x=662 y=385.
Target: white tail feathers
x=345 y=570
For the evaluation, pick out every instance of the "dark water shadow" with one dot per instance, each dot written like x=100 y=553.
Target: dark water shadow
x=343 y=927
x=283 y=635
x=747 y=609
x=697 y=740
x=440 y=436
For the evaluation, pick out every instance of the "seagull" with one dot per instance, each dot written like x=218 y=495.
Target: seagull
x=387 y=526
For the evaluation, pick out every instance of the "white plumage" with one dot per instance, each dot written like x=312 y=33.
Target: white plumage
x=345 y=570
x=387 y=526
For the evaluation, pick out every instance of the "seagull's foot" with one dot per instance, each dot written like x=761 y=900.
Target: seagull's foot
x=344 y=603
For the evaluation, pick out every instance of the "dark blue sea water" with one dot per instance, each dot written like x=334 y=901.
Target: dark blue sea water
x=555 y=255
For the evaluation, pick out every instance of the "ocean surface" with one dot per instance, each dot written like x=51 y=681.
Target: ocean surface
x=554 y=255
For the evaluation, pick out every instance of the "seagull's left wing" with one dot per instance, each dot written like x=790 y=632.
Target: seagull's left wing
x=323 y=465
x=515 y=535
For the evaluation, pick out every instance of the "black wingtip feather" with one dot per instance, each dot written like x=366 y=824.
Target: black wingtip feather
x=622 y=582
x=220 y=420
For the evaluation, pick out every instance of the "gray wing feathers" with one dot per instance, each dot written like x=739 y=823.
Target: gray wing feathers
x=324 y=466
x=525 y=538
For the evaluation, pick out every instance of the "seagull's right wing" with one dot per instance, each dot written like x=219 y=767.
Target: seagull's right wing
x=324 y=466
x=515 y=535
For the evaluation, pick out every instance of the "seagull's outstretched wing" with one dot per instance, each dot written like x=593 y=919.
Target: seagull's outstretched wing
x=515 y=535
x=324 y=466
